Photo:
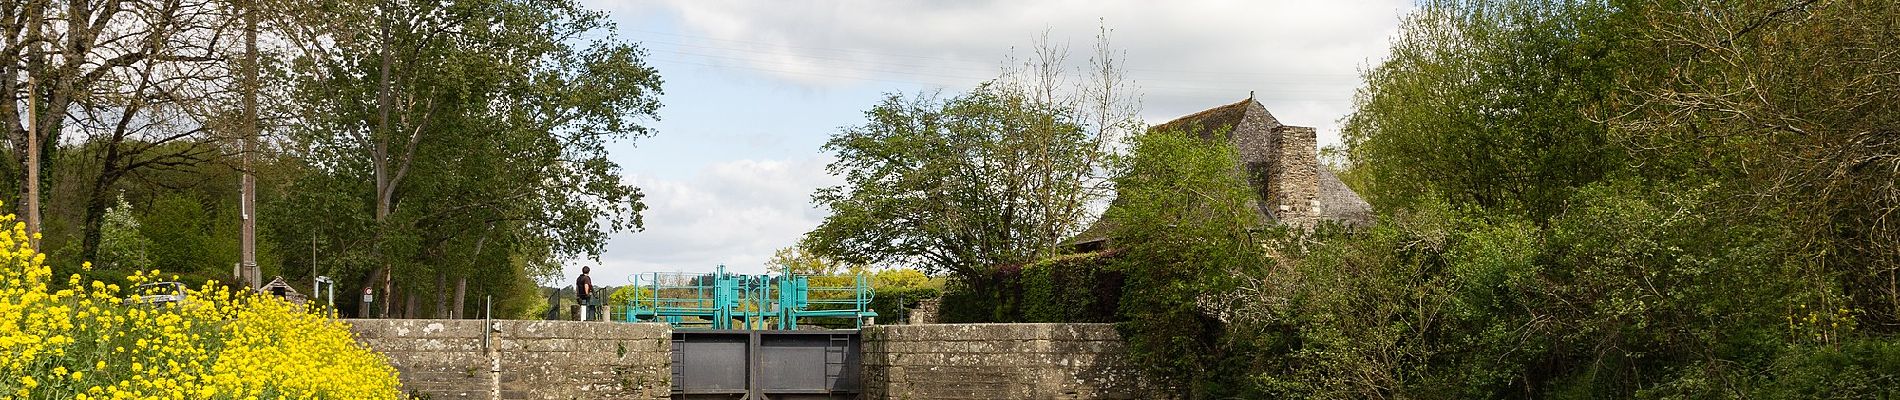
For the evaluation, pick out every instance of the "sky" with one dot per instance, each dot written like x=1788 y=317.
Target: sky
x=753 y=89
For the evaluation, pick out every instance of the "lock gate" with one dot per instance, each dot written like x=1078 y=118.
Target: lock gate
x=766 y=365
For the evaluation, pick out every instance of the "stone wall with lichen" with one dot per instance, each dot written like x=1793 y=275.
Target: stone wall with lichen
x=999 y=361
x=450 y=359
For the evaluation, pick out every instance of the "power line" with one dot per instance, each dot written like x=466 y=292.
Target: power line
x=778 y=65
x=757 y=46
x=1270 y=94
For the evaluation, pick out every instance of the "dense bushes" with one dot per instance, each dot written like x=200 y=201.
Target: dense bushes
x=1577 y=199
x=1073 y=288
x=85 y=340
x=1548 y=230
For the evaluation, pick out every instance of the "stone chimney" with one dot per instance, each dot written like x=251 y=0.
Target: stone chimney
x=1293 y=175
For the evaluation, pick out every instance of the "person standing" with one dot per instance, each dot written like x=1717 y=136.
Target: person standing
x=584 y=290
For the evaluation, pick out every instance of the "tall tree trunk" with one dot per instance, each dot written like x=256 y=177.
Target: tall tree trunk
x=379 y=157
x=410 y=304
x=461 y=280
x=461 y=292
x=393 y=307
x=441 y=295
x=94 y=221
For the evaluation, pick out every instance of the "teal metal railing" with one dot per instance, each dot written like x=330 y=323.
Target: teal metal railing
x=722 y=300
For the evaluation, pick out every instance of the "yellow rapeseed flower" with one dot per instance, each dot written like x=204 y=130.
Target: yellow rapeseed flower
x=233 y=346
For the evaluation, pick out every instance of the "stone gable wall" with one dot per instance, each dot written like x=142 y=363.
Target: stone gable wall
x=1253 y=135
x=446 y=359
x=999 y=361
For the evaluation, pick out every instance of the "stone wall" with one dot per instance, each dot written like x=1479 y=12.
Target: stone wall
x=447 y=359
x=1252 y=135
x=926 y=311
x=999 y=361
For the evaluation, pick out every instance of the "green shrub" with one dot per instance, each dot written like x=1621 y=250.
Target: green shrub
x=1070 y=288
x=1862 y=368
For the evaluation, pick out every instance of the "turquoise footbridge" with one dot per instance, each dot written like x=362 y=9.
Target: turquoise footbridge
x=723 y=300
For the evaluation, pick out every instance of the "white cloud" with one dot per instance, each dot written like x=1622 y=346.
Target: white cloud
x=1301 y=57
x=734 y=213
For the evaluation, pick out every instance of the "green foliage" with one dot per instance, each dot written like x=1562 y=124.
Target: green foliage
x=1789 y=104
x=439 y=147
x=1083 y=287
x=1071 y=288
x=942 y=183
x=618 y=297
x=898 y=290
x=1536 y=251
x=1631 y=292
x=964 y=303
x=799 y=260
x=1186 y=228
x=1860 y=368
x=1482 y=103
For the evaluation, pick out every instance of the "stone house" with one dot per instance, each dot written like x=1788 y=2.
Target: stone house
x=1281 y=163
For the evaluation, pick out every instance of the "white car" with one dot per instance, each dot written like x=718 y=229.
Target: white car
x=158 y=293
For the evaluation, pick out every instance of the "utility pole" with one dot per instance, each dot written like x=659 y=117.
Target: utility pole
x=247 y=184
x=32 y=161
x=32 y=200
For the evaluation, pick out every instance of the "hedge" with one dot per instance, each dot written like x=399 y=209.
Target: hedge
x=1070 y=288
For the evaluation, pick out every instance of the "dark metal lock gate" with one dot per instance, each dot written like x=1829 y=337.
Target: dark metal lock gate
x=761 y=365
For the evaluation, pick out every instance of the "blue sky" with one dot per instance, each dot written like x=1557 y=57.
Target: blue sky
x=753 y=89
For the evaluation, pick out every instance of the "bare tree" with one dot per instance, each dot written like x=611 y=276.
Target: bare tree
x=137 y=79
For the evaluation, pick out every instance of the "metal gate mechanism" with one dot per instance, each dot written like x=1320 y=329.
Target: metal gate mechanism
x=752 y=337
x=722 y=300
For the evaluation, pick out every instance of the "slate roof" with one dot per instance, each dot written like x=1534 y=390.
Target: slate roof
x=1339 y=203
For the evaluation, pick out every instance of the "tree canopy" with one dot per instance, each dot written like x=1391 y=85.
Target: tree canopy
x=404 y=145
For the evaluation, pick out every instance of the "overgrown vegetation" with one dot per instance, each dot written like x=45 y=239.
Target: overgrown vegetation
x=1071 y=288
x=1576 y=199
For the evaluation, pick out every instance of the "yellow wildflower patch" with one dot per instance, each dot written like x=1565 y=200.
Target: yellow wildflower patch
x=89 y=340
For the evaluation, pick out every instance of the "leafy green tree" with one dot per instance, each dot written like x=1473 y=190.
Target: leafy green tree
x=469 y=126
x=1789 y=106
x=1187 y=222
x=185 y=238
x=998 y=175
x=944 y=184
x=798 y=260
x=1484 y=104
